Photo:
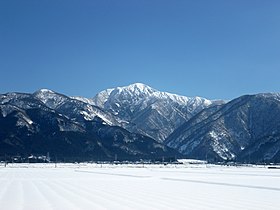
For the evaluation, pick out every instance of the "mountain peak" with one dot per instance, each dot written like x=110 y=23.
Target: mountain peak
x=149 y=110
x=44 y=90
x=137 y=88
x=49 y=97
x=138 y=85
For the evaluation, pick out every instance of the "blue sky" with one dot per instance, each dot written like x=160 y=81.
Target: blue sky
x=215 y=49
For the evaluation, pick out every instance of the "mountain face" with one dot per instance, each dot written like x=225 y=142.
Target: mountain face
x=148 y=111
x=138 y=122
x=74 y=109
x=245 y=129
x=68 y=129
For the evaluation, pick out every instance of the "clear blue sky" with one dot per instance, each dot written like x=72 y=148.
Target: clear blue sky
x=215 y=49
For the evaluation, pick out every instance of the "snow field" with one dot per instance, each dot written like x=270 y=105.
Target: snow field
x=88 y=186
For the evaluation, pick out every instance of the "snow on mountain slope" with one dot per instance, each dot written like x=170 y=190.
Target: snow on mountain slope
x=76 y=108
x=83 y=99
x=51 y=122
x=50 y=98
x=149 y=111
x=245 y=129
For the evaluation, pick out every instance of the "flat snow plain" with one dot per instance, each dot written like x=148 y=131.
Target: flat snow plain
x=91 y=186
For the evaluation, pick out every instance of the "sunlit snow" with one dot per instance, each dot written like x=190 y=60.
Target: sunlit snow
x=91 y=186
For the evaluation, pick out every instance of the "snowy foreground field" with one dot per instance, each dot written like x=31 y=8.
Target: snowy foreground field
x=90 y=186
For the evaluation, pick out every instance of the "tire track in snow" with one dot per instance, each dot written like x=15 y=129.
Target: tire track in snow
x=113 y=174
x=58 y=201
x=211 y=200
x=166 y=199
x=62 y=187
x=142 y=192
x=91 y=194
x=13 y=196
x=222 y=184
x=147 y=196
x=33 y=197
x=117 y=199
x=224 y=172
x=4 y=183
x=74 y=196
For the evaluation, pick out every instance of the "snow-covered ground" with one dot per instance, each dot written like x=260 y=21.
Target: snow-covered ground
x=91 y=186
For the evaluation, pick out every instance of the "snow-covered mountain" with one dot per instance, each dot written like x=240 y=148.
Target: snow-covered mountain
x=49 y=122
x=77 y=108
x=245 y=129
x=149 y=111
x=137 y=121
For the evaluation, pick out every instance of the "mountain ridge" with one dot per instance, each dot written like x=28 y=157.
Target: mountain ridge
x=49 y=122
x=148 y=109
x=229 y=132
x=140 y=121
